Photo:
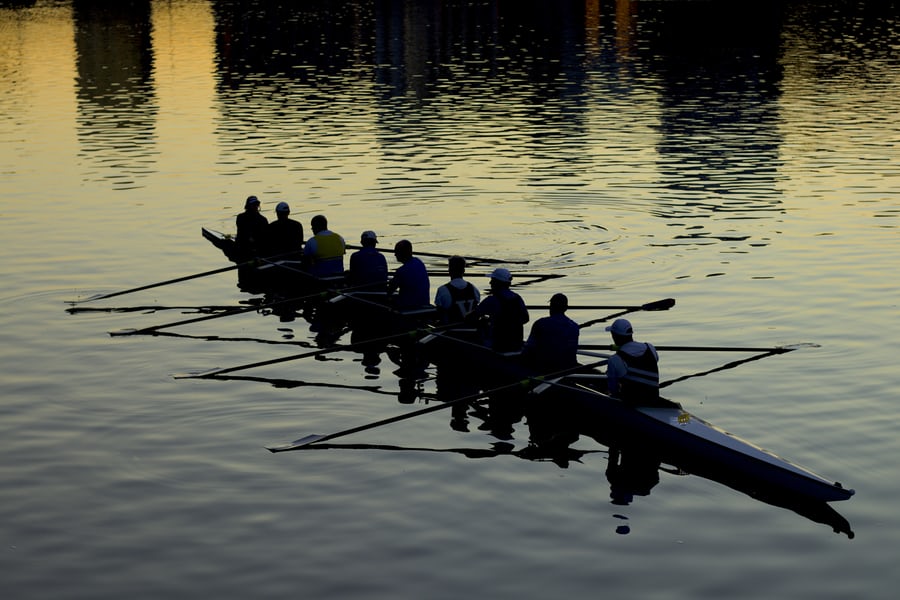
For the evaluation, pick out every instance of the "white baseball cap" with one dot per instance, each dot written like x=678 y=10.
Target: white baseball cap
x=621 y=327
x=501 y=274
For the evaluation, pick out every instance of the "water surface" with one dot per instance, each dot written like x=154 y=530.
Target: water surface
x=739 y=157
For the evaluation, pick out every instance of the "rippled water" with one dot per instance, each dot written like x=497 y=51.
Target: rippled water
x=739 y=157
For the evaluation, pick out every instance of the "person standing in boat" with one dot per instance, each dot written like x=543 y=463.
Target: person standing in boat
x=633 y=371
x=552 y=344
x=457 y=299
x=503 y=314
x=251 y=229
x=284 y=237
x=410 y=281
x=368 y=267
x=324 y=251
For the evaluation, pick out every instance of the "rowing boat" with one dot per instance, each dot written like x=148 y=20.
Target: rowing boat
x=682 y=438
x=580 y=402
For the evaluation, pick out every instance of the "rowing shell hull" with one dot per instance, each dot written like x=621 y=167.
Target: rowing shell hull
x=701 y=448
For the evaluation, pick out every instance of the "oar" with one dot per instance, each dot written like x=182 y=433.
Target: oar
x=232 y=311
x=435 y=255
x=731 y=365
x=664 y=304
x=178 y=279
x=436 y=273
x=658 y=305
x=772 y=350
x=219 y=315
x=312 y=439
x=146 y=308
x=162 y=283
x=273 y=361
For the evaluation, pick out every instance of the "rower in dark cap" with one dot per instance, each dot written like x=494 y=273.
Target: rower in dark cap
x=251 y=229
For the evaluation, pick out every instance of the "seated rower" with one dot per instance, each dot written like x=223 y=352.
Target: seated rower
x=410 y=281
x=503 y=314
x=368 y=267
x=324 y=251
x=633 y=371
x=284 y=236
x=456 y=300
x=251 y=229
x=552 y=344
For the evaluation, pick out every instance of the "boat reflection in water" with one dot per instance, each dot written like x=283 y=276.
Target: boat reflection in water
x=641 y=444
x=635 y=472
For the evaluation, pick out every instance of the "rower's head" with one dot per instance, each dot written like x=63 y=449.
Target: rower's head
x=500 y=278
x=456 y=266
x=282 y=210
x=622 y=331
x=368 y=239
x=319 y=223
x=251 y=204
x=403 y=250
x=559 y=304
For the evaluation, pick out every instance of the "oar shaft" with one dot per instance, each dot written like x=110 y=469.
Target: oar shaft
x=775 y=350
x=219 y=315
x=436 y=255
x=727 y=366
x=320 y=352
x=296 y=445
x=162 y=283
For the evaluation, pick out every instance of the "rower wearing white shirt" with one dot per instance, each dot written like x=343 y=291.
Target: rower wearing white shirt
x=633 y=371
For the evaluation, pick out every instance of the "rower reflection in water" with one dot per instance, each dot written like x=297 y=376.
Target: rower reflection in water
x=631 y=473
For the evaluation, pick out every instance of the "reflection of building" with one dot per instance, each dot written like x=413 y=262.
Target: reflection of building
x=719 y=76
x=116 y=100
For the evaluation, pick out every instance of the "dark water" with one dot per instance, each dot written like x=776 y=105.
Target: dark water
x=739 y=157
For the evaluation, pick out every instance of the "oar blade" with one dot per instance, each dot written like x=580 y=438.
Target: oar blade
x=198 y=374
x=664 y=304
x=122 y=332
x=299 y=443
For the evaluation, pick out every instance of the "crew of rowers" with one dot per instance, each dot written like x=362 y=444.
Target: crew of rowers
x=552 y=344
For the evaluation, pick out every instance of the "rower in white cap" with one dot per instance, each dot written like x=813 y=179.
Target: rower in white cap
x=633 y=371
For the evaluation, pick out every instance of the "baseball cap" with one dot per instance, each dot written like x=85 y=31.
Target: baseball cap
x=621 y=327
x=282 y=207
x=368 y=235
x=250 y=201
x=501 y=274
